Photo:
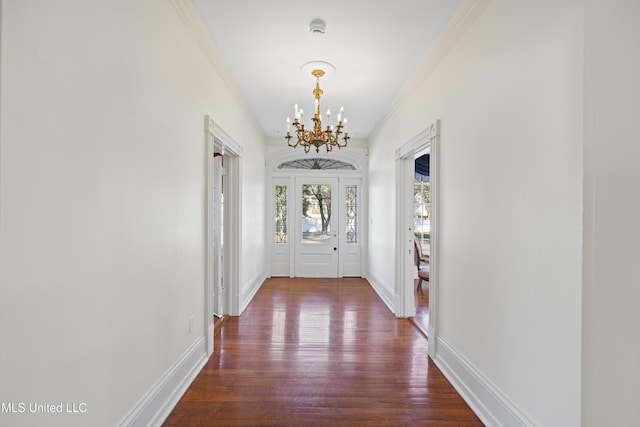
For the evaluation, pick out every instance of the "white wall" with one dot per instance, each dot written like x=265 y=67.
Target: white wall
x=102 y=201
x=509 y=96
x=611 y=348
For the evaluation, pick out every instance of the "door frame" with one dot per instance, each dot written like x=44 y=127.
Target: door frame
x=429 y=138
x=217 y=140
x=355 y=156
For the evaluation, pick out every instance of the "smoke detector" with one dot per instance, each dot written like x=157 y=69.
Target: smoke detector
x=317 y=27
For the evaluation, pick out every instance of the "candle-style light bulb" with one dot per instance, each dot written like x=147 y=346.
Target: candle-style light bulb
x=288 y=125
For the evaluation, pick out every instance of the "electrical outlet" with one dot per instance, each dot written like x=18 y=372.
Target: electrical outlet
x=190 y=324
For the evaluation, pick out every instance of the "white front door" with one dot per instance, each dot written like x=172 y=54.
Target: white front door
x=316 y=246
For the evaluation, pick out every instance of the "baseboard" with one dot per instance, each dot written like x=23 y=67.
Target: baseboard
x=251 y=290
x=156 y=406
x=384 y=292
x=489 y=404
x=210 y=337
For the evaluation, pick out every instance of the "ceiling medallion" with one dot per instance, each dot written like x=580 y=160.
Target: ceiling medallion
x=317 y=137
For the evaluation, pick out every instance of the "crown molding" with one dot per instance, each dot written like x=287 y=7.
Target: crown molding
x=198 y=29
x=464 y=18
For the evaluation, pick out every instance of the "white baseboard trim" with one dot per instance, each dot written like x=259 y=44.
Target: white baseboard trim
x=210 y=340
x=156 y=406
x=489 y=404
x=384 y=292
x=251 y=290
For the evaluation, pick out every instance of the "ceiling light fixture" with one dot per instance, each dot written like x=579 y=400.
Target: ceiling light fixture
x=317 y=137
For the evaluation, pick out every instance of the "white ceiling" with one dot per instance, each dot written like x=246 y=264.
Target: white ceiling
x=375 y=47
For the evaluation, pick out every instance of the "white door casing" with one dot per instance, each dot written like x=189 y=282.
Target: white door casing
x=405 y=168
x=217 y=140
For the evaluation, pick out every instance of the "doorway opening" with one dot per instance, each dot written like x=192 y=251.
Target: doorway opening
x=219 y=290
x=409 y=228
x=316 y=205
x=422 y=232
x=223 y=240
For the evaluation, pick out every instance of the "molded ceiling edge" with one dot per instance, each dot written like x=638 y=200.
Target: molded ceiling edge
x=196 y=26
x=464 y=18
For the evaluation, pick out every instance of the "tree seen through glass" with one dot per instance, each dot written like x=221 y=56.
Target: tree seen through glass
x=316 y=212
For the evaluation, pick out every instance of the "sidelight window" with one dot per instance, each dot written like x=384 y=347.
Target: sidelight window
x=281 y=214
x=352 y=213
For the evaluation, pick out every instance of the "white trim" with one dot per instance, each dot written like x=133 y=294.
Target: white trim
x=209 y=272
x=158 y=403
x=250 y=291
x=273 y=174
x=405 y=270
x=384 y=291
x=233 y=232
x=210 y=339
x=464 y=18
x=195 y=25
x=216 y=137
x=418 y=142
x=434 y=250
x=228 y=144
x=404 y=274
x=489 y=403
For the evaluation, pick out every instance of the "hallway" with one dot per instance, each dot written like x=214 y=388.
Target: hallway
x=320 y=352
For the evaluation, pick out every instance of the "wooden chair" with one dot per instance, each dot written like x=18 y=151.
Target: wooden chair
x=423 y=271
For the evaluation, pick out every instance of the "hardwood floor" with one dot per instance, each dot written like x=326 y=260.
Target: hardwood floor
x=320 y=352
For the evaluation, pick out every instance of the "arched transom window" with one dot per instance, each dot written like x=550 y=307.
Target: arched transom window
x=316 y=164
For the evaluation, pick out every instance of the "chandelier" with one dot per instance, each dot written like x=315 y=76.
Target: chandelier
x=317 y=136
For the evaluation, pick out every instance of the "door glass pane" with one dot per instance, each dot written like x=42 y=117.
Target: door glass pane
x=281 y=214
x=352 y=214
x=316 y=213
x=422 y=213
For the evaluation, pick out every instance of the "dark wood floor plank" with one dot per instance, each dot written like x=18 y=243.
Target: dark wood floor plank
x=320 y=352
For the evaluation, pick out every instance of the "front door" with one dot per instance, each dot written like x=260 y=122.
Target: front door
x=317 y=227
